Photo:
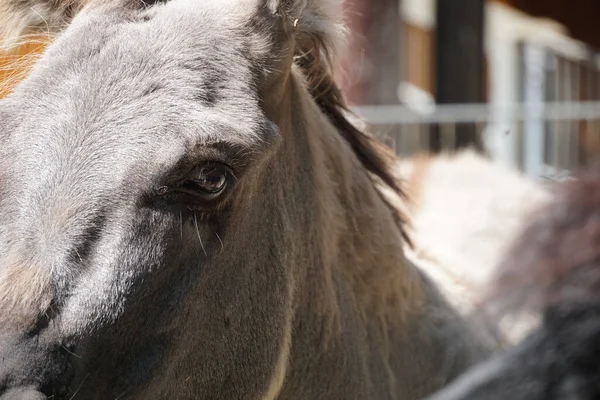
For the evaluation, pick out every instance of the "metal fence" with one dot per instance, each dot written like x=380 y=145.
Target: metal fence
x=544 y=140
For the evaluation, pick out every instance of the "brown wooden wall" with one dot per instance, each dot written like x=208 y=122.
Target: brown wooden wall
x=418 y=56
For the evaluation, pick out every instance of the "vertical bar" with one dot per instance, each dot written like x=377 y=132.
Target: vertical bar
x=575 y=124
x=534 y=124
x=501 y=139
x=459 y=55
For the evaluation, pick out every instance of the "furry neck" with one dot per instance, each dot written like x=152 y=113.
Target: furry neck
x=356 y=244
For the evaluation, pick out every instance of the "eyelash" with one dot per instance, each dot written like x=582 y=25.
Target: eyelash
x=196 y=191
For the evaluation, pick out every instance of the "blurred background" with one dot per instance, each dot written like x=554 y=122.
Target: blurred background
x=519 y=80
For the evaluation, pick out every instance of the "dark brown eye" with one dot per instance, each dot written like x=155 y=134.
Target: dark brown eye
x=202 y=186
x=210 y=180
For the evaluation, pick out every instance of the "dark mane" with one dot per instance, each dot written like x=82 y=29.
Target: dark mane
x=556 y=259
x=315 y=61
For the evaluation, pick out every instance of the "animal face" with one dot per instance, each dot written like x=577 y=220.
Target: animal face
x=136 y=161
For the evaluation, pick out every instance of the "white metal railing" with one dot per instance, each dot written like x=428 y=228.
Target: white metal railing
x=478 y=113
x=544 y=140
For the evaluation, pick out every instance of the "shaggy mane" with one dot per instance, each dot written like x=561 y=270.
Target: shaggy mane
x=315 y=61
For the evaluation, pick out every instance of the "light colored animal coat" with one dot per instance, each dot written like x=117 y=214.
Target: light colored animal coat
x=465 y=212
x=186 y=212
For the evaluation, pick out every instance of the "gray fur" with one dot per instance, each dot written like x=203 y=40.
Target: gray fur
x=294 y=286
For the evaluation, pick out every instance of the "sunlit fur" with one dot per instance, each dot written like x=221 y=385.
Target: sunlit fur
x=292 y=285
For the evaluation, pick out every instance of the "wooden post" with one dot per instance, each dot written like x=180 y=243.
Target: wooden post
x=459 y=55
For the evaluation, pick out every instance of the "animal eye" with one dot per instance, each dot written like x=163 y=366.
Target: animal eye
x=209 y=181
x=205 y=184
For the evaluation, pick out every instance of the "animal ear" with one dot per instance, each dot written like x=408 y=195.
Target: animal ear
x=22 y=19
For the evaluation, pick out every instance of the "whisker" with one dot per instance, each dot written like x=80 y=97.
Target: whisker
x=121 y=395
x=220 y=241
x=181 y=224
x=199 y=238
x=78 y=255
x=80 y=385
x=70 y=352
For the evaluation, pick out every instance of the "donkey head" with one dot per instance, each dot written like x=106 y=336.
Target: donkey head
x=147 y=173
